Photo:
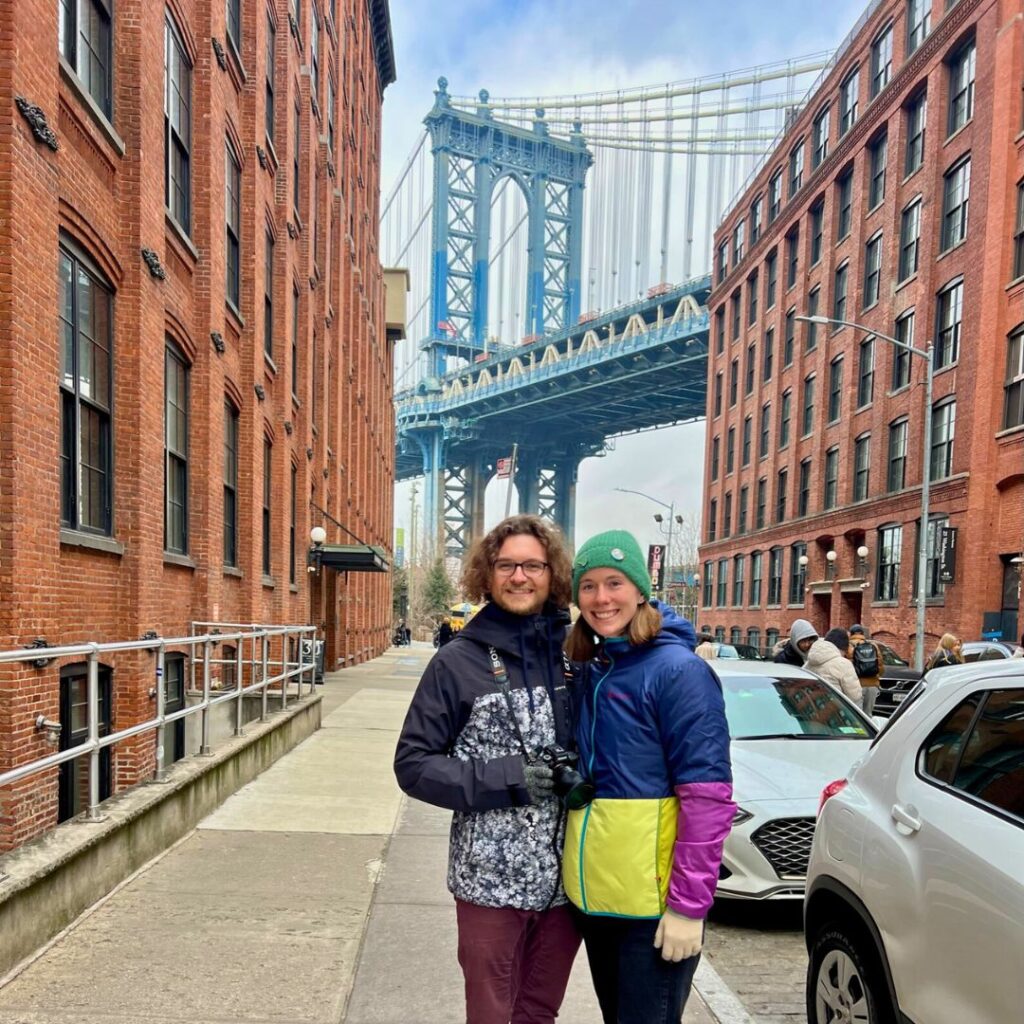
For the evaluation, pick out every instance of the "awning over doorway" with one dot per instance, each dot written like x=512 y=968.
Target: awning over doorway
x=351 y=557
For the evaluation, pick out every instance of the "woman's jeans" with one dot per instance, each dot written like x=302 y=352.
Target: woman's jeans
x=633 y=984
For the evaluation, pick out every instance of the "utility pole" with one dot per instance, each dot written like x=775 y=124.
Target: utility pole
x=411 y=571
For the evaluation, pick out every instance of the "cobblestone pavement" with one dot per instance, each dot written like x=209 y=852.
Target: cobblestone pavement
x=758 y=951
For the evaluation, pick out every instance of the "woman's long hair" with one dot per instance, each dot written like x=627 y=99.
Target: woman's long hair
x=581 y=644
x=945 y=650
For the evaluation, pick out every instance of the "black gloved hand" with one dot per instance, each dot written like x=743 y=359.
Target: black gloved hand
x=540 y=782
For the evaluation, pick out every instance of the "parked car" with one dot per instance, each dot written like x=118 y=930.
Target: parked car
x=736 y=652
x=791 y=734
x=897 y=680
x=915 y=895
x=990 y=650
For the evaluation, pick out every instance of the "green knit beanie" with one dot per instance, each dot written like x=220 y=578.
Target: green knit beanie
x=613 y=549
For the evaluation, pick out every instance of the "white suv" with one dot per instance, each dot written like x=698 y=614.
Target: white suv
x=914 y=910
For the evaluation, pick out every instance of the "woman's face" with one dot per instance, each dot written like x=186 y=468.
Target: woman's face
x=608 y=601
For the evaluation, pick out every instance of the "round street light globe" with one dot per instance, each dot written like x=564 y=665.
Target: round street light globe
x=862 y=552
x=831 y=556
x=318 y=535
x=803 y=559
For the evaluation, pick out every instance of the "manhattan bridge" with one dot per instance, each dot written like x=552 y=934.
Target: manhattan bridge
x=558 y=250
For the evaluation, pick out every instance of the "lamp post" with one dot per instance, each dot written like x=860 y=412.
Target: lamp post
x=926 y=354
x=659 y=519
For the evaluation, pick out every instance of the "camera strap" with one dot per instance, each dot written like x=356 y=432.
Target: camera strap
x=501 y=681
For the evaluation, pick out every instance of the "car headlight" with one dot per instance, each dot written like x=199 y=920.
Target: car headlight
x=741 y=816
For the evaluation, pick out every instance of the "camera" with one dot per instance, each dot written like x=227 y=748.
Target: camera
x=570 y=787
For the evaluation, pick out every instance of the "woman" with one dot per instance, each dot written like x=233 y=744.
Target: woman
x=949 y=652
x=641 y=861
x=829 y=658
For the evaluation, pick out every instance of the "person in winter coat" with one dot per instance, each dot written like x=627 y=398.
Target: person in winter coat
x=867 y=663
x=949 y=652
x=829 y=658
x=794 y=652
x=641 y=861
x=487 y=705
x=705 y=649
x=444 y=632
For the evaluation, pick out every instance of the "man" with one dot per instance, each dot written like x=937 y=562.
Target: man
x=705 y=649
x=445 y=632
x=462 y=749
x=794 y=652
x=867 y=663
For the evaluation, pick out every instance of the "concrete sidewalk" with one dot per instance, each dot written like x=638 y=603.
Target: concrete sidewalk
x=314 y=894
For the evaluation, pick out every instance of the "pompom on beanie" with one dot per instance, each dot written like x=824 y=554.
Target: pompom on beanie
x=613 y=549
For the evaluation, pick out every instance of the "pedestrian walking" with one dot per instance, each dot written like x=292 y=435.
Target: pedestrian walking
x=794 y=651
x=949 y=652
x=867 y=663
x=641 y=861
x=444 y=632
x=705 y=649
x=488 y=706
x=829 y=658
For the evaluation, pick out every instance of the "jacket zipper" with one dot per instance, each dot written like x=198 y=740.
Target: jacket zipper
x=590 y=772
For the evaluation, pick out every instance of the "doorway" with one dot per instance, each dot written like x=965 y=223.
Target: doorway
x=73 y=780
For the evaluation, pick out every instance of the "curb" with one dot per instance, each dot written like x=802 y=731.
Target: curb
x=721 y=1001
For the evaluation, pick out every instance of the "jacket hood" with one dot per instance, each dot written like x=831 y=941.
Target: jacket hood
x=674 y=628
x=821 y=653
x=801 y=630
x=495 y=627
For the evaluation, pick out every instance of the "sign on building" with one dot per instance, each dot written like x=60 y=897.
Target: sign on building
x=947 y=554
x=656 y=565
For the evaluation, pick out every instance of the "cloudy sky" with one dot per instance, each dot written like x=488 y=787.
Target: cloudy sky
x=538 y=47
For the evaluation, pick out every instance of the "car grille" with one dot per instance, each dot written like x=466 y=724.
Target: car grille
x=786 y=845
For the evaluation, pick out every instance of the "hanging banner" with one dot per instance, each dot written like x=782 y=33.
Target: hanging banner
x=399 y=547
x=947 y=554
x=504 y=468
x=656 y=565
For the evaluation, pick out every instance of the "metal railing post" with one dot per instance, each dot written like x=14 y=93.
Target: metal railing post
x=204 y=718
x=263 y=677
x=239 y=730
x=284 y=669
x=93 y=698
x=161 y=702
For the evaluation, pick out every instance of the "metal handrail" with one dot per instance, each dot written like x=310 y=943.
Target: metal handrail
x=259 y=663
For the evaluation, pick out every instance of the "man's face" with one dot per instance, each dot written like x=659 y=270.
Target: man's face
x=517 y=592
x=805 y=645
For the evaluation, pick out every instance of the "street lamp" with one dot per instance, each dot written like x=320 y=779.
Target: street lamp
x=926 y=465
x=317 y=536
x=659 y=519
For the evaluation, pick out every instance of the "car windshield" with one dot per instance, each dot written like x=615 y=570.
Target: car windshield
x=762 y=707
x=890 y=657
x=727 y=651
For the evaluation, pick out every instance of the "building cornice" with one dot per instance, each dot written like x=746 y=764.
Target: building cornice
x=383 y=43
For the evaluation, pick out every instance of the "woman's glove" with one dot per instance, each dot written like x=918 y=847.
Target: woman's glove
x=540 y=781
x=678 y=937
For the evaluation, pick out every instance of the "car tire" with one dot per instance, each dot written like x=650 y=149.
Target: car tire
x=844 y=979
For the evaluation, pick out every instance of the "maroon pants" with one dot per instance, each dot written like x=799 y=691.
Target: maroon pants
x=516 y=962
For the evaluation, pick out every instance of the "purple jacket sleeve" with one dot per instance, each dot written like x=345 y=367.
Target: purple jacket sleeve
x=706 y=810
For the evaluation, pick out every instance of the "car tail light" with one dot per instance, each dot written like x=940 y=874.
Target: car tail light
x=830 y=790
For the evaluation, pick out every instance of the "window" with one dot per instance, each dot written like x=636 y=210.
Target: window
x=230 y=484
x=734 y=379
x=803 y=495
x=233 y=22
x=722 y=261
x=714 y=458
x=268 y=483
x=792 y=256
x=796 y=168
x=811 y=329
x=268 y=296
x=755 y=219
x=835 y=389
x=1013 y=389
x=872 y=270
x=775 y=576
x=177 y=127
x=754 y=637
x=943 y=430
x=784 y=419
x=85 y=43
x=771 y=275
x=797 y=572
x=768 y=355
x=817 y=228
x=956 y=191
x=771 y=638
x=296 y=149
x=741 y=523
x=745 y=447
x=917 y=110
x=735 y=633
x=756 y=560
x=87 y=464
x=900 y=356
x=948 y=314
x=831 y=478
x=866 y=373
x=718 y=394
x=897 y=477
x=887 y=580
x=774 y=196
x=910 y=235
x=1018 y=235
x=295 y=342
x=787 y=344
x=934 y=588
x=737 y=580
x=734 y=308
x=839 y=293
x=730 y=450
x=330 y=115
x=762 y=503
x=766 y=412
x=748 y=387
x=720 y=330
x=293 y=491
x=314 y=55
x=781 y=482
x=268 y=113
x=713 y=520
x=807 y=422
x=881 y=61
x=848 y=95
x=844 y=205
x=175 y=450
x=739 y=234
x=723 y=582
x=233 y=221
x=861 y=467
x=820 y=136
x=961 y=87
x=879 y=156
x=919 y=19
x=752 y=298
x=709 y=584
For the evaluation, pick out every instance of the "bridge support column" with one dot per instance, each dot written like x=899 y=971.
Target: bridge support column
x=527 y=485
x=566 y=475
x=463 y=506
x=432 y=449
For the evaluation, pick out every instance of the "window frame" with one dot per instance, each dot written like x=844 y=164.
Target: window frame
x=862 y=467
x=176 y=456
x=807 y=407
x=830 y=494
x=840 y=292
x=881 y=60
x=776 y=574
x=820 y=134
x=796 y=167
x=844 y=204
x=232 y=225
x=177 y=141
x=943 y=414
x=803 y=492
x=877 y=167
x=232 y=417
x=916 y=117
x=919 y=23
x=77 y=45
x=266 y=516
x=872 y=271
x=866 y=372
x=797 y=573
x=889 y=552
x=901 y=357
x=1013 y=384
x=962 y=62
x=849 y=98
x=910 y=247
x=1018 y=235
x=835 y=388
x=946 y=351
x=956 y=195
x=896 y=460
x=817 y=231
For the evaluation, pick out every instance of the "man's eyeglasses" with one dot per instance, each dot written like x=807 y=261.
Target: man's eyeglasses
x=506 y=567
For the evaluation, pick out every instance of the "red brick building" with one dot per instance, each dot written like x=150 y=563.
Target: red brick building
x=194 y=367
x=895 y=199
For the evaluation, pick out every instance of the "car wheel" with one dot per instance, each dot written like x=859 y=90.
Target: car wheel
x=844 y=980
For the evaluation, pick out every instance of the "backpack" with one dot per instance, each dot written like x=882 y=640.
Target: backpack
x=865 y=660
